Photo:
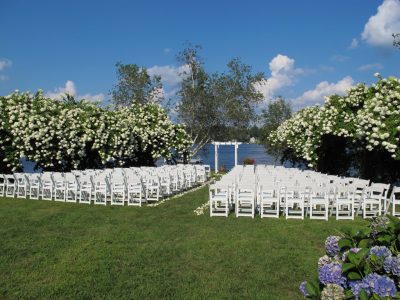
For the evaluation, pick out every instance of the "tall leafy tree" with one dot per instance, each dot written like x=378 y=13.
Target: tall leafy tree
x=135 y=85
x=215 y=106
x=396 y=40
x=196 y=108
x=277 y=112
x=235 y=91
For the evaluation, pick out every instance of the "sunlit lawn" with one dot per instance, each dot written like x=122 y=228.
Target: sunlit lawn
x=62 y=250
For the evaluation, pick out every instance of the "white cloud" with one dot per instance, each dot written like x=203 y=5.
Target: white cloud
x=283 y=73
x=167 y=50
x=353 y=44
x=380 y=27
x=70 y=89
x=371 y=67
x=5 y=63
x=322 y=89
x=170 y=75
x=3 y=77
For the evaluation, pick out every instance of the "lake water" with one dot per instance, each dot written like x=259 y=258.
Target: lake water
x=226 y=156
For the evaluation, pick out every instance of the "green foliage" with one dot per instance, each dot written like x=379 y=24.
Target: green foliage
x=135 y=86
x=277 y=112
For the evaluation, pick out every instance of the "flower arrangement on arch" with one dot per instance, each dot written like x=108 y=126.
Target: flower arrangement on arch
x=249 y=161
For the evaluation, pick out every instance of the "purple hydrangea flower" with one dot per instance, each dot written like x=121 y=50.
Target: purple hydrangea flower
x=392 y=265
x=356 y=287
x=369 y=282
x=385 y=287
x=331 y=245
x=303 y=289
x=380 y=251
x=332 y=273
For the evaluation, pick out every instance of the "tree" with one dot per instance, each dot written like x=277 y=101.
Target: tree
x=135 y=85
x=196 y=108
x=216 y=106
x=235 y=91
x=396 y=40
x=277 y=112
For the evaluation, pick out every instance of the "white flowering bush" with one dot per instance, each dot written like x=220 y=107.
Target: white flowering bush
x=75 y=135
x=369 y=116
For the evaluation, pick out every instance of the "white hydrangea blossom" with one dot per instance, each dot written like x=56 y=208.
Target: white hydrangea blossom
x=370 y=114
x=64 y=135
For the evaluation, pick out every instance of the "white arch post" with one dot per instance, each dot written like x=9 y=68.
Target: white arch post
x=216 y=146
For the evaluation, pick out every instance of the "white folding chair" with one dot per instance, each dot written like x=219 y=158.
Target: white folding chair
x=3 y=184
x=372 y=202
x=101 y=189
x=245 y=200
x=319 y=205
x=269 y=202
x=118 y=190
x=135 y=191
x=86 y=189
x=71 y=188
x=34 y=185
x=395 y=200
x=219 y=200
x=294 y=203
x=344 y=197
x=22 y=185
x=47 y=186
x=59 y=187
x=11 y=185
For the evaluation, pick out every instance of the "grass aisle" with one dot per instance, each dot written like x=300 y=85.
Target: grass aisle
x=62 y=250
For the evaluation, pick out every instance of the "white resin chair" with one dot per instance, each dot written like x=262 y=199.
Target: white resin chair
x=372 y=202
x=219 y=200
x=319 y=205
x=34 y=185
x=22 y=185
x=71 y=188
x=344 y=198
x=86 y=189
x=245 y=200
x=118 y=190
x=269 y=202
x=101 y=189
x=11 y=185
x=152 y=186
x=385 y=196
x=294 y=203
x=2 y=185
x=59 y=187
x=47 y=186
x=135 y=191
x=395 y=200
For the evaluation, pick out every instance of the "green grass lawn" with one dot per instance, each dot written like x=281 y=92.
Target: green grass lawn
x=62 y=250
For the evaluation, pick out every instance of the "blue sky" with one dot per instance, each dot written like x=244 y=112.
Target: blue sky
x=307 y=48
